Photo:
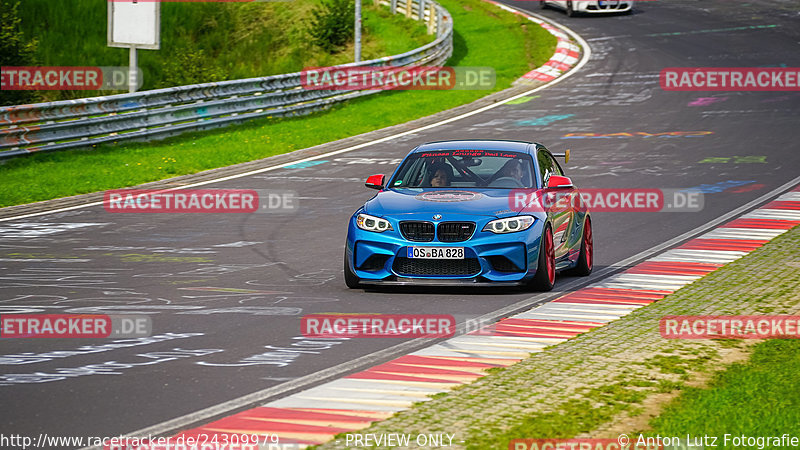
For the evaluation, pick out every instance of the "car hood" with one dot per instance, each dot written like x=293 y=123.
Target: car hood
x=480 y=202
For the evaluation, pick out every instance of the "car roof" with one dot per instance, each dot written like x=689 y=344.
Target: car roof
x=479 y=144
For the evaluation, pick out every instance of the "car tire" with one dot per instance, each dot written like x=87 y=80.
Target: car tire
x=586 y=256
x=350 y=279
x=542 y=4
x=544 y=280
x=570 y=11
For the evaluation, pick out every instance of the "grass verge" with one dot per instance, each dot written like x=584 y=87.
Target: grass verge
x=759 y=398
x=481 y=29
x=617 y=378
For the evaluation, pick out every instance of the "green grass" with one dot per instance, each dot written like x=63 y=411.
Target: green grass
x=758 y=398
x=484 y=36
x=202 y=42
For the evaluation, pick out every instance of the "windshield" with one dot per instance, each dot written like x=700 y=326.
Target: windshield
x=466 y=169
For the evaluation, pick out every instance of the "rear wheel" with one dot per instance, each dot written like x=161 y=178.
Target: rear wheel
x=542 y=4
x=350 y=279
x=570 y=11
x=586 y=257
x=545 y=276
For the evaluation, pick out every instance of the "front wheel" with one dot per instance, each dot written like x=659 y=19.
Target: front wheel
x=586 y=257
x=542 y=4
x=570 y=11
x=545 y=277
x=350 y=279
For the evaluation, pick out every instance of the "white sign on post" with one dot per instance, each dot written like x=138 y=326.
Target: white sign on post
x=134 y=24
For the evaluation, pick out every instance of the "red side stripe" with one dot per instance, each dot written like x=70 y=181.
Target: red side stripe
x=673 y=268
x=265 y=412
x=782 y=204
x=562 y=324
x=613 y=296
x=740 y=245
x=771 y=224
x=434 y=361
x=369 y=375
x=393 y=366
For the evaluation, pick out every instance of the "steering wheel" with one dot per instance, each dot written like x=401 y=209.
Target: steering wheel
x=506 y=182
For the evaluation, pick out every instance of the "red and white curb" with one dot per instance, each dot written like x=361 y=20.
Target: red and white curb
x=566 y=56
x=352 y=403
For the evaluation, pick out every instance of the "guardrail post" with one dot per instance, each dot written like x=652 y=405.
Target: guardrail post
x=421 y=11
x=409 y=4
x=393 y=6
x=431 y=19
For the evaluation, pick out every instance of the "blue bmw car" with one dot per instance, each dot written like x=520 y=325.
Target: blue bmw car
x=470 y=212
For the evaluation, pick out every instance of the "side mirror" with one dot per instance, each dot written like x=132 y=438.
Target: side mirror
x=375 y=182
x=557 y=181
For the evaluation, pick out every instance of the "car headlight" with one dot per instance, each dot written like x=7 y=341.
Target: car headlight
x=372 y=223
x=509 y=224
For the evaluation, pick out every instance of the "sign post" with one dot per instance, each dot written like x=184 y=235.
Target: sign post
x=358 y=31
x=134 y=24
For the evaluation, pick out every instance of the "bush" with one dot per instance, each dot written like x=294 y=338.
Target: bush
x=189 y=67
x=14 y=50
x=332 y=24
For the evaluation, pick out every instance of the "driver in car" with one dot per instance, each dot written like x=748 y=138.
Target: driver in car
x=441 y=175
x=512 y=169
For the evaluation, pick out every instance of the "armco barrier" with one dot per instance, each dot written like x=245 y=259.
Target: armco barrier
x=161 y=113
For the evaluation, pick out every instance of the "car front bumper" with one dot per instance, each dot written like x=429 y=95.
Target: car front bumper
x=505 y=259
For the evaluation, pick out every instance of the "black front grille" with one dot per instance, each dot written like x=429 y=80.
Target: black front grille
x=455 y=231
x=418 y=266
x=417 y=231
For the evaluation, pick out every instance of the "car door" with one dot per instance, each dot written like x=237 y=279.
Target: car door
x=558 y=202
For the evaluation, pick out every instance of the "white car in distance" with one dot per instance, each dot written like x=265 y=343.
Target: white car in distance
x=589 y=6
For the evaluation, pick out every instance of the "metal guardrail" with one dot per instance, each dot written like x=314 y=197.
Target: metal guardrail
x=160 y=113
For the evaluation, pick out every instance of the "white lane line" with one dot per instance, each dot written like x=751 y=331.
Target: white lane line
x=327 y=391
x=609 y=306
x=743 y=233
x=486 y=342
x=655 y=278
x=591 y=317
x=703 y=256
x=776 y=214
x=346 y=404
x=441 y=351
x=378 y=386
x=790 y=197
x=579 y=308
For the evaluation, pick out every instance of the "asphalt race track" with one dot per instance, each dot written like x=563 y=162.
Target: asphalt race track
x=231 y=288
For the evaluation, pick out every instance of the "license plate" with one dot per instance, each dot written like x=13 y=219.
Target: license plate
x=436 y=252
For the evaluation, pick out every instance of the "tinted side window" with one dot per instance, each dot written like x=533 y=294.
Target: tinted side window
x=546 y=165
x=556 y=168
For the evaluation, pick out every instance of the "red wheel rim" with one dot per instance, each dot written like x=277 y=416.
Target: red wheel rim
x=550 y=257
x=587 y=244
